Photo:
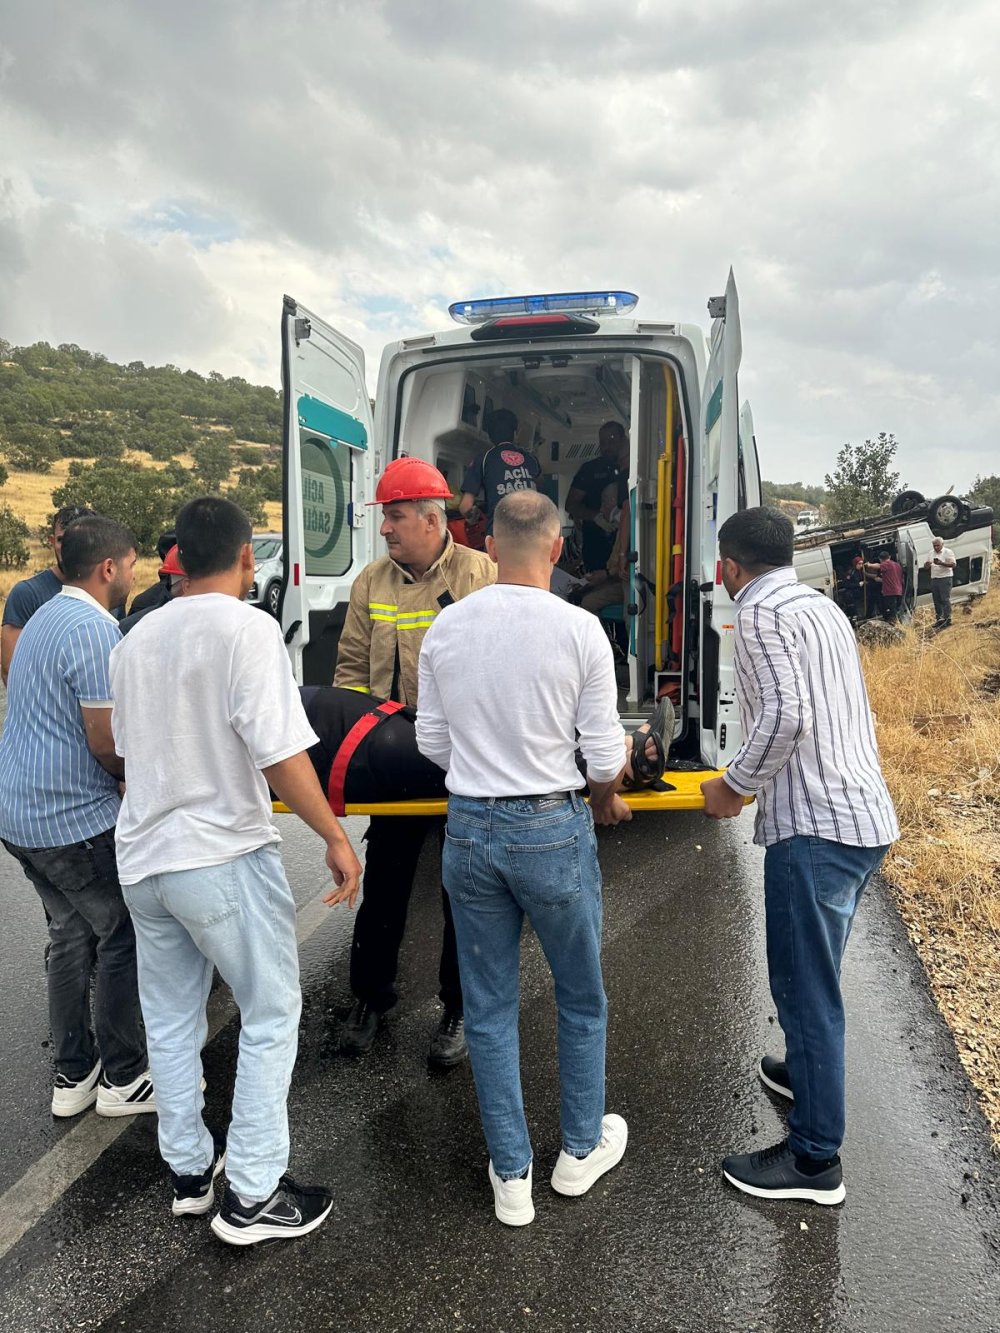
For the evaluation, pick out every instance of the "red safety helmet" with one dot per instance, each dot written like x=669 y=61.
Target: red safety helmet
x=410 y=479
x=172 y=563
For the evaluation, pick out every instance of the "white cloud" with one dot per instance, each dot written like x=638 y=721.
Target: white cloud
x=172 y=171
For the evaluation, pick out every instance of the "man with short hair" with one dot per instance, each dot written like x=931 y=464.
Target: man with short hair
x=59 y=801
x=942 y=567
x=202 y=876
x=394 y=601
x=29 y=594
x=520 y=839
x=826 y=820
x=499 y=471
x=890 y=575
x=611 y=465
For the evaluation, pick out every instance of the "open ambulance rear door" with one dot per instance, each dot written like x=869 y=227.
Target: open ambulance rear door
x=326 y=469
x=720 y=496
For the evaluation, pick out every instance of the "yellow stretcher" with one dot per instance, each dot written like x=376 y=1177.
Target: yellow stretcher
x=686 y=796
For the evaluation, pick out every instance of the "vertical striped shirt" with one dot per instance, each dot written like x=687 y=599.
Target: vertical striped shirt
x=53 y=792
x=810 y=755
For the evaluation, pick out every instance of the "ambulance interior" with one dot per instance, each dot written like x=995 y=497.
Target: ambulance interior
x=561 y=399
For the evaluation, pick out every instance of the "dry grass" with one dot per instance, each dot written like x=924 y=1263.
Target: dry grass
x=946 y=867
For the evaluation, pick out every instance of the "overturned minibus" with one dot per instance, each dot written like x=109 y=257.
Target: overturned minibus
x=564 y=364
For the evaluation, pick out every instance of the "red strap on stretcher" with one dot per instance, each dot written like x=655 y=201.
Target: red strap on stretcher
x=348 y=746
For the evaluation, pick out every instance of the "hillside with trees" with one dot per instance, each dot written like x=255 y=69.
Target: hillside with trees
x=140 y=439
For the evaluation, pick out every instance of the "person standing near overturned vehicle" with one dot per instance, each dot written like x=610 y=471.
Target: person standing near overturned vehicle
x=942 y=567
x=394 y=601
x=826 y=820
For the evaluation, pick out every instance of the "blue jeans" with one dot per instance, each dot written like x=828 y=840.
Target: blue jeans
x=812 y=888
x=89 y=928
x=240 y=918
x=504 y=860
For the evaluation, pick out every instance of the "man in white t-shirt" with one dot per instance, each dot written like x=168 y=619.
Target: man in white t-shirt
x=942 y=567
x=512 y=680
x=206 y=715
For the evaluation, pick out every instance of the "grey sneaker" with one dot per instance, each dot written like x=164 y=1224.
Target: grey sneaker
x=292 y=1210
x=774 y=1075
x=194 y=1195
x=575 y=1175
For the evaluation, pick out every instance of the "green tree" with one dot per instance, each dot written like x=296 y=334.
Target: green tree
x=141 y=498
x=4 y=474
x=14 y=532
x=862 y=484
x=29 y=447
x=986 y=491
x=250 y=499
x=213 y=461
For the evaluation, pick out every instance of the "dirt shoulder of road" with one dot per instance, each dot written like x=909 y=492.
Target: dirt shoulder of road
x=936 y=699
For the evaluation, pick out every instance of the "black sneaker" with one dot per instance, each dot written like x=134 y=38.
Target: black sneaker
x=776 y=1173
x=360 y=1028
x=448 y=1046
x=292 y=1210
x=194 y=1195
x=774 y=1075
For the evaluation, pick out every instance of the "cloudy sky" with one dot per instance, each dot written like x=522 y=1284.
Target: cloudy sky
x=167 y=171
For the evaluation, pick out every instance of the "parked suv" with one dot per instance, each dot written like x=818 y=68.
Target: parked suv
x=269 y=562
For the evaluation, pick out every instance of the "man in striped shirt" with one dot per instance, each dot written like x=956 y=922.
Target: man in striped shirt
x=58 y=805
x=826 y=819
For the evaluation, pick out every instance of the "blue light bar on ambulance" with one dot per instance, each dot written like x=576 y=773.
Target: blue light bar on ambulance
x=592 y=303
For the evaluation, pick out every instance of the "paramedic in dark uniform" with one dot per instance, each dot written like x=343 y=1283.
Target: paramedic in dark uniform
x=611 y=464
x=502 y=469
x=394 y=601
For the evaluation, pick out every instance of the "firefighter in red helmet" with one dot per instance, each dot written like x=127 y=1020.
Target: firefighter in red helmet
x=394 y=601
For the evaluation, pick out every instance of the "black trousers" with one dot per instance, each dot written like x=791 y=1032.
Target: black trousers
x=393 y=849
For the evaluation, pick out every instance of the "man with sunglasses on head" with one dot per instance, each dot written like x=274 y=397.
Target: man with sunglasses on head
x=29 y=594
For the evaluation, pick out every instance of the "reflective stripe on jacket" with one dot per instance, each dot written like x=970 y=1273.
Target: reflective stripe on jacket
x=390 y=611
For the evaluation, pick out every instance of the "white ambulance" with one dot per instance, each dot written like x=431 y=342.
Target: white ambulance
x=564 y=364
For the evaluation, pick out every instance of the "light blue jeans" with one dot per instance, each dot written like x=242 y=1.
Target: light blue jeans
x=504 y=860
x=240 y=918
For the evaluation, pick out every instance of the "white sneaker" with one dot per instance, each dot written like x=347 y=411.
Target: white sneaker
x=575 y=1175
x=69 y=1098
x=132 y=1099
x=513 y=1199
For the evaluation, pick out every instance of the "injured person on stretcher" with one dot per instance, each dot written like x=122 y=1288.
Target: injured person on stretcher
x=367 y=752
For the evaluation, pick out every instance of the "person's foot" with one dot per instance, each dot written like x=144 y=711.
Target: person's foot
x=360 y=1028
x=575 y=1175
x=292 y=1210
x=512 y=1200
x=70 y=1097
x=776 y=1173
x=448 y=1046
x=774 y=1075
x=194 y=1195
x=132 y=1099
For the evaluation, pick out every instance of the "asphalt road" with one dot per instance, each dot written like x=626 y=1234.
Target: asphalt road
x=412 y=1244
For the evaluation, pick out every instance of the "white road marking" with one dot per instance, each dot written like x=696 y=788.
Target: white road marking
x=47 y=1180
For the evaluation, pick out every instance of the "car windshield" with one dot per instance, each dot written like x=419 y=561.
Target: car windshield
x=266 y=548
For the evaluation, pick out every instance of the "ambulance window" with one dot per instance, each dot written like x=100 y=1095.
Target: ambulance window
x=961 y=574
x=976 y=570
x=326 y=493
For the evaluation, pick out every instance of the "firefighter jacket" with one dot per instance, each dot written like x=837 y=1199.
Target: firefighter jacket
x=390 y=612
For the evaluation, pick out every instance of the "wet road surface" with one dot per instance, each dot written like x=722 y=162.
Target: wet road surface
x=412 y=1244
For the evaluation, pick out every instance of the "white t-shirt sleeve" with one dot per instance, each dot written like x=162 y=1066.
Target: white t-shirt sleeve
x=265 y=708
x=433 y=734
x=601 y=735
